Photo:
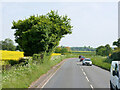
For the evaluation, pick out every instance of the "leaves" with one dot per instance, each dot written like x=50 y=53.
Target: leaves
x=41 y=33
x=104 y=50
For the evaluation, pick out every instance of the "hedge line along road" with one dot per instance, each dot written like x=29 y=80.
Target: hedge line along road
x=72 y=74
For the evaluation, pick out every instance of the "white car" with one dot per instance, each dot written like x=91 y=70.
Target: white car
x=115 y=75
x=87 y=61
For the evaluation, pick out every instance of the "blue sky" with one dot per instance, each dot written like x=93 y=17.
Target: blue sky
x=94 y=23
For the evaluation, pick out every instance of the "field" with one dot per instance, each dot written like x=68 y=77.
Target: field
x=11 y=55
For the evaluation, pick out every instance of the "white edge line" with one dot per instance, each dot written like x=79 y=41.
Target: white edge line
x=51 y=76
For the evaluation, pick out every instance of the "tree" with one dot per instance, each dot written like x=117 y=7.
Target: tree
x=58 y=50
x=64 y=50
x=104 y=50
x=108 y=50
x=100 y=50
x=18 y=48
x=7 y=44
x=41 y=33
x=117 y=43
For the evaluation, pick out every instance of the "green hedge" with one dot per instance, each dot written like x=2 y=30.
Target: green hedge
x=115 y=56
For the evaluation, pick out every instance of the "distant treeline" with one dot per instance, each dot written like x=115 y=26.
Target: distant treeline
x=82 y=48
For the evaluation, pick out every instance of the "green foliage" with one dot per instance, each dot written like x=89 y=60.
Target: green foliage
x=18 y=48
x=108 y=50
x=58 y=50
x=39 y=57
x=83 y=48
x=115 y=55
x=104 y=50
x=7 y=44
x=61 y=50
x=41 y=33
x=117 y=43
x=64 y=50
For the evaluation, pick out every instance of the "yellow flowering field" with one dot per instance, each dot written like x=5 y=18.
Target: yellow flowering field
x=82 y=51
x=54 y=54
x=10 y=55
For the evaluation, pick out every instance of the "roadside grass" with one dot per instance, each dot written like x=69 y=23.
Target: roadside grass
x=22 y=76
x=100 y=61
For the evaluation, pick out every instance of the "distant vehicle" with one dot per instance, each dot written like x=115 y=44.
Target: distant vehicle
x=87 y=61
x=82 y=58
x=115 y=75
x=79 y=56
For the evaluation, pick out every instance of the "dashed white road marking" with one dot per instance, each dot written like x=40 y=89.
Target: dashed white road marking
x=91 y=86
x=84 y=73
x=82 y=69
x=87 y=78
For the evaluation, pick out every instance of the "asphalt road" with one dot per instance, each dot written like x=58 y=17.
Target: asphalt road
x=73 y=75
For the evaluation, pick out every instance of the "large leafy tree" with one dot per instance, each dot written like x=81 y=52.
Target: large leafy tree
x=41 y=33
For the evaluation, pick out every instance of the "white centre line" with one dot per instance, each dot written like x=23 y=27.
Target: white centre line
x=87 y=79
x=82 y=69
x=84 y=73
x=91 y=86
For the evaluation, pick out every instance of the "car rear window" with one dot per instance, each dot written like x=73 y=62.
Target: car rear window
x=87 y=60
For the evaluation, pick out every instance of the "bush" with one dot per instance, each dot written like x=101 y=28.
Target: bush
x=38 y=58
x=115 y=56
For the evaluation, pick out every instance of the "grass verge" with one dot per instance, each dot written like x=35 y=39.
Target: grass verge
x=22 y=76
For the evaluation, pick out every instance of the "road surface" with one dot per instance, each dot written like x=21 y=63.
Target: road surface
x=73 y=75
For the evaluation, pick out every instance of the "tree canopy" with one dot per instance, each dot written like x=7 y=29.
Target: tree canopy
x=7 y=44
x=117 y=43
x=41 y=33
x=82 y=48
x=104 y=50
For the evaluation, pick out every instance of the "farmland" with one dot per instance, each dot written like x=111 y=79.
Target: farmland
x=11 y=55
x=14 y=55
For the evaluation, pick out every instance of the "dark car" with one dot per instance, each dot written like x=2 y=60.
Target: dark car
x=82 y=58
x=79 y=56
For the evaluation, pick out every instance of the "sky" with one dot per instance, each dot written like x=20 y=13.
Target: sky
x=94 y=23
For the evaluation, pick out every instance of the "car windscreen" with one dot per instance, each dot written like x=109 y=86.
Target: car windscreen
x=87 y=60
